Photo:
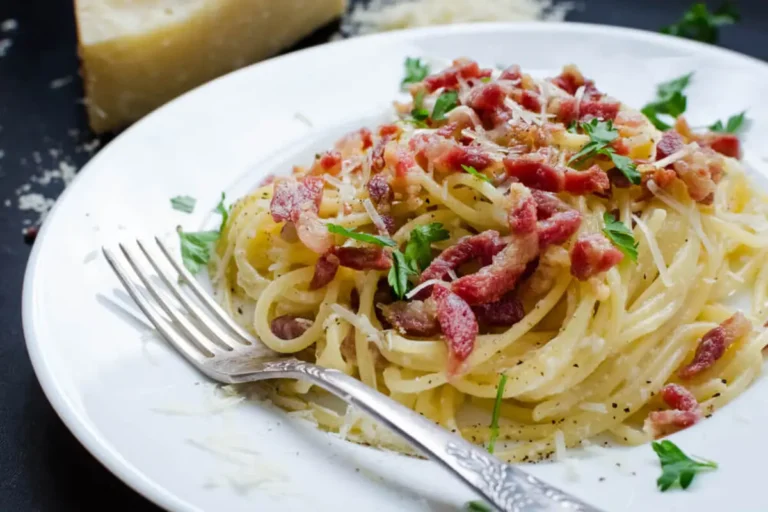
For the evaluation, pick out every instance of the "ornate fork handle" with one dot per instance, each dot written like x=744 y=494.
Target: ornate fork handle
x=506 y=487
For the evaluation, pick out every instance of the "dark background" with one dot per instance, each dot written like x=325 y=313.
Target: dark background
x=42 y=466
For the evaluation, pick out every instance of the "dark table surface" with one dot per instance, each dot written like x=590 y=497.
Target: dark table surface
x=42 y=466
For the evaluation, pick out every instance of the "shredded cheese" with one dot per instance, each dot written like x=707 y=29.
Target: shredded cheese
x=653 y=246
x=560 y=451
x=593 y=407
x=677 y=155
x=691 y=213
x=359 y=322
x=423 y=285
x=375 y=217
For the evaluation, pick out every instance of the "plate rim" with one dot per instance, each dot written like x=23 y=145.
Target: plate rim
x=93 y=441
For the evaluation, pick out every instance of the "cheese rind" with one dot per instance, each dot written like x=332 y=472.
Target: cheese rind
x=137 y=55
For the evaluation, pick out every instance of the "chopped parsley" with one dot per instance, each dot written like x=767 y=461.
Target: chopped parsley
x=196 y=246
x=447 y=101
x=184 y=204
x=601 y=134
x=419 y=114
x=573 y=127
x=733 y=125
x=415 y=71
x=474 y=172
x=418 y=250
x=701 y=25
x=496 y=412
x=670 y=101
x=477 y=506
x=620 y=235
x=398 y=274
x=382 y=241
x=676 y=466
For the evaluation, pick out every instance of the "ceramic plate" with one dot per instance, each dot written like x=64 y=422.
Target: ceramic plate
x=164 y=430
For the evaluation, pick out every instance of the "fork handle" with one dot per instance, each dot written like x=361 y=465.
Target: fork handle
x=505 y=486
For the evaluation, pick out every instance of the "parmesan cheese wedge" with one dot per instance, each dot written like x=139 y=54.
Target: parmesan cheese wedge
x=138 y=54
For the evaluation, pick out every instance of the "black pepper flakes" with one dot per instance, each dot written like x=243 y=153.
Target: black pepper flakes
x=614 y=405
x=626 y=409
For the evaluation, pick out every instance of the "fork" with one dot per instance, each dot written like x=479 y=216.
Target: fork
x=225 y=352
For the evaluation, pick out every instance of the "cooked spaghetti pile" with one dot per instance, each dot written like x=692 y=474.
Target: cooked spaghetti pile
x=508 y=225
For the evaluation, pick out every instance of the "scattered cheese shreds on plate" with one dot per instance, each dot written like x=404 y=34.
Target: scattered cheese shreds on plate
x=384 y=15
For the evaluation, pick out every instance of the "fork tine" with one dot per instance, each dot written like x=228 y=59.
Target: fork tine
x=203 y=318
x=191 y=353
x=206 y=299
x=190 y=330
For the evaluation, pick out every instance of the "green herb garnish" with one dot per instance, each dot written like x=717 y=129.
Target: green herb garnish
x=669 y=101
x=620 y=235
x=196 y=246
x=676 y=466
x=701 y=25
x=222 y=210
x=398 y=274
x=601 y=134
x=418 y=250
x=733 y=124
x=474 y=172
x=477 y=506
x=447 y=101
x=184 y=204
x=419 y=114
x=382 y=241
x=496 y=412
x=415 y=71
x=573 y=127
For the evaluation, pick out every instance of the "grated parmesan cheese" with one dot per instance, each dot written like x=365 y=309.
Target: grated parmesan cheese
x=691 y=213
x=375 y=217
x=360 y=322
x=658 y=258
x=423 y=285
x=560 y=452
x=593 y=407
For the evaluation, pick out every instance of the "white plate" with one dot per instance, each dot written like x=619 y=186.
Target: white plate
x=117 y=390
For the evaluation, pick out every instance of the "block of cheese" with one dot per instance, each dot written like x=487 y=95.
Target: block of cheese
x=138 y=54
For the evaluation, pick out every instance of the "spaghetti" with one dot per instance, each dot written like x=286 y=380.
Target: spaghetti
x=506 y=225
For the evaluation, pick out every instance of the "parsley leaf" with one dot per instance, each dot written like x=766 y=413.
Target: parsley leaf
x=418 y=250
x=419 y=114
x=676 y=466
x=196 y=245
x=196 y=248
x=477 y=506
x=184 y=204
x=447 y=101
x=620 y=235
x=398 y=274
x=573 y=127
x=415 y=71
x=382 y=241
x=733 y=124
x=701 y=25
x=601 y=134
x=474 y=172
x=496 y=412
x=669 y=101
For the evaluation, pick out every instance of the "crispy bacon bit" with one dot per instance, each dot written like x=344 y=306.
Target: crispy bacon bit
x=458 y=324
x=724 y=143
x=592 y=254
x=483 y=246
x=521 y=214
x=504 y=312
x=399 y=159
x=529 y=100
x=449 y=78
x=684 y=412
x=713 y=344
x=288 y=327
x=488 y=97
x=326 y=163
x=390 y=130
x=566 y=111
x=491 y=282
x=379 y=190
x=671 y=142
x=416 y=318
x=299 y=202
x=387 y=133
x=363 y=258
x=354 y=142
x=450 y=130
x=557 y=220
x=325 y=270
x=570 y=79
x=511 y=73
x=662 y=177
x=447 y=155
x=533 y=171
x=701 y=171
x=592 y=181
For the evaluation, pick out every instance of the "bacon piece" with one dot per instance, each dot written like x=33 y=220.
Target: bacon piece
x=592 y=254
x=557 y=220
x=483 y=246
x=363 y=258
x=521 y=214
x=671 y=142
x=724 y=143
x=447 y=155
x=288 y=327
x=566 y=111
x=449 y=78
x=379 y=190
x=491 y=282
x=529 y=100
x=701 y=171
x=387 y=133
x=570 y=79
x=354 y=143
x=684 y=412
x=504 y=312
x=458 y=324
x=299 y=202
x=713 y=344
x=450 y=130
x=488 y=97
x=662 y=177
x=512 y=73
x=327 y=163
x=417 y=318
x=325 y=270
x=532 y=171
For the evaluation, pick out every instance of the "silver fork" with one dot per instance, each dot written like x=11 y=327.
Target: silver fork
x=227 y=353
